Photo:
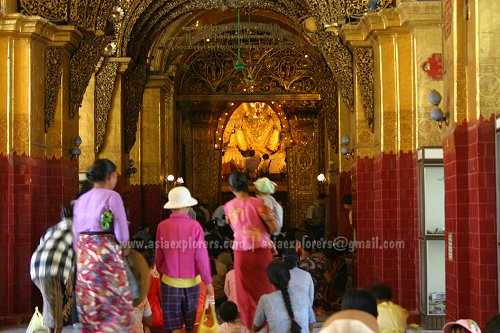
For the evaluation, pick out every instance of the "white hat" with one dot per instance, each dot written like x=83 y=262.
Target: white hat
x=180 y=197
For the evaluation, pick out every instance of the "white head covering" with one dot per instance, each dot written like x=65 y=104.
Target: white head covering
x=180 y=197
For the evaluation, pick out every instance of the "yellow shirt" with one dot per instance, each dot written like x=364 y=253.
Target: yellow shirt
x=391 y=318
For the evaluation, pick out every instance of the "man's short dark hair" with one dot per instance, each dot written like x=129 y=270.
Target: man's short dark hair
x=381 y=292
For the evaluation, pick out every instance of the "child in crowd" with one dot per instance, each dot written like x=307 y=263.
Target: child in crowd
x=154 y=294
x=228 y=313
x=143 y=317
x=229 y=285
x=264 y=188
x=391 y=317
x=462 y=326
x=285 y=310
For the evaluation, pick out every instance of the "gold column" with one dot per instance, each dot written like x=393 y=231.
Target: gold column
x=361 y=135
x=153 y=131
x=61 y=135
x=386 y=94
x=23 y=42
x=483 y=57
x=8 y=6
x=114 y=145
x=402 y=39
x=87 y=127
x=169 y=135
x=427 y=43
x=454 y=60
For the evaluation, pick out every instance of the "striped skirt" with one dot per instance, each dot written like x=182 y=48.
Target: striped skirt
x=103 y=295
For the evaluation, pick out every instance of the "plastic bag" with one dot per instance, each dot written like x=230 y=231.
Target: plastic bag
x=208 y=320
x=36 y=323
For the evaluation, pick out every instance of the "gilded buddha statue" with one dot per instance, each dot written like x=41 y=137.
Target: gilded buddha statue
x=253 y=126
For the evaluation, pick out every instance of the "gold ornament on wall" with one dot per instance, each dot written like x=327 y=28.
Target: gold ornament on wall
x=135 y=82
x=105 y=82
x=82 y=66
x=53 y=72
x=279 y=71
x=363 y=56
x=53 y=10
x=339 y=59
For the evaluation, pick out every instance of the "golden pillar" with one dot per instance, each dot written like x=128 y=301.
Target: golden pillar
x=61 y=135
x=87 y=127
x=483 y=55
x=153 y=132
x=402 y=39
x=455 y=46
x=25 y=44
x=114 y=145
x=169 y=135
x=8 y=6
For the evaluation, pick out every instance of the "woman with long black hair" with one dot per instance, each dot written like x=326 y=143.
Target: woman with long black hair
x=285 y=310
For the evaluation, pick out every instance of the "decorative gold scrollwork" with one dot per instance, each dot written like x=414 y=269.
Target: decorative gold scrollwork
x=329 y=105
x=53 y=10
x=363 y=56
x=53 y=71
x=339 y=59
x=104 y=84
x=272 y=72
x=135 y=82
x=82 y=66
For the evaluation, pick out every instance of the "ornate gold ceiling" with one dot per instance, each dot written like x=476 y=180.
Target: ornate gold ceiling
x=143 y=30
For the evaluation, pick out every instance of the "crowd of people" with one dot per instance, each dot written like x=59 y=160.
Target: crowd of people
x=82 y=263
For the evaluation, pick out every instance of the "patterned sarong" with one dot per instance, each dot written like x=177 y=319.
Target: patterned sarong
x=103 y=294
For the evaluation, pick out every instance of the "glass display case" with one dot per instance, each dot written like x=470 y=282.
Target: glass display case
x=432 y=237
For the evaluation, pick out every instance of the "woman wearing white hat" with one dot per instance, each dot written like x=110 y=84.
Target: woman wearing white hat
x=182 y=260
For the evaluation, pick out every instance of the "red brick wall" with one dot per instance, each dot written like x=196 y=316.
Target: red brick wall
x=344 y=187
x=385 y=212
x=407 y=226
x=362 y=199
x=470 y=204
x=34 y=190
